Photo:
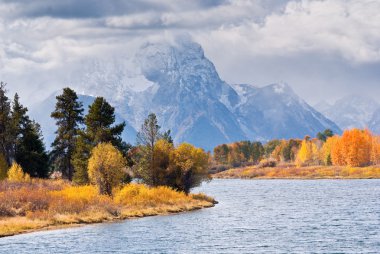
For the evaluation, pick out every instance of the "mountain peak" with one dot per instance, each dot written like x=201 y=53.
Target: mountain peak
x=280 y=88
x=186 y=93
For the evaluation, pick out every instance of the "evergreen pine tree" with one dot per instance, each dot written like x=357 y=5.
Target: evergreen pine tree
x=28 y=149
x=6 y=137
x=68 y=115
x=168 y=137
x=145 y=159
x=80 y=158
x=18 y=122
x=3 y=167
x=31 y=153
x=99 y=121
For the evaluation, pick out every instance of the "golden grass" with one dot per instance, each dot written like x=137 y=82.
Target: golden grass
x=138 y=200
x=42 y=204
x=310 y=172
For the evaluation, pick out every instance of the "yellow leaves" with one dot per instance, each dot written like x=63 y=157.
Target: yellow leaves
x=309 y=153
x=16 y=174
x=188 y=157
x=106 y=167
x=162 y=150
x=85 y=193
x=142 y=195
x=326 y=150
x=305 y=154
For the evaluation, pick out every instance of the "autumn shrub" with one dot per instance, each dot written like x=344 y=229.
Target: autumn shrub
x=19 y=201
x=203 y=197
x=218 y=168
x=76 y=199
x=16 y=174
x=267 y=163
x=142 y=195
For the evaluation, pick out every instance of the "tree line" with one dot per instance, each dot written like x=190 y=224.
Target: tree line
x=355 y=147
x=89 y=148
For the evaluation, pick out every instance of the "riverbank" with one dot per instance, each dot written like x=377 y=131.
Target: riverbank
x=47 y=204
x=293 y=172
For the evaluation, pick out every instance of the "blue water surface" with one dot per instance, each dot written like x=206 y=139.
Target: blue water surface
x=253 y=216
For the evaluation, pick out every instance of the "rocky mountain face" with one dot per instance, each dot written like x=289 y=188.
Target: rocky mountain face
x=353 y=111
x=275 y=111
x=178 y=83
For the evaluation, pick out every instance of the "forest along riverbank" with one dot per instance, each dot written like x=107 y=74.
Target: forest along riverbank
x=48 y=204
x=294 y=172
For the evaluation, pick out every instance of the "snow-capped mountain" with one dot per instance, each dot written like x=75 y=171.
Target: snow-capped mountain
x=178 y=83
x=275 y=111
x=351 y=111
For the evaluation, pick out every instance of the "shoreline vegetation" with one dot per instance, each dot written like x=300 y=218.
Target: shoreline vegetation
x=302 y=173
x=355 y=154
x=52 y=204
x=91 y=174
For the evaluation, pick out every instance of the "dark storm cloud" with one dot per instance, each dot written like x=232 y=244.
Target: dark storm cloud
x=99 y=8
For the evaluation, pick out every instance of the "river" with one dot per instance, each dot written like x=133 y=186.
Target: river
x=253 y=216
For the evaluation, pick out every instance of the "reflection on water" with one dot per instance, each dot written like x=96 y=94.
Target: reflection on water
x=264 y=216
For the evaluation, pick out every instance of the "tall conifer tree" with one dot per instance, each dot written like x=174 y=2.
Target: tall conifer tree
x=68 y=115
x=147 y=138
x=29 y=149
x=6 y=137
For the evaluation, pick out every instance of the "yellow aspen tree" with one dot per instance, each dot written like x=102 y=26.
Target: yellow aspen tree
x=305 y=154
x=106 y=167
x=326 y=150
x=17 y=174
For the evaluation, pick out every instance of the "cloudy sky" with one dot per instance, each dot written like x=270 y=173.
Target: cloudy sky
x=323 y=49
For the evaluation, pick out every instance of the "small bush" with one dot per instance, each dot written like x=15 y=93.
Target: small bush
x=16 y=174
x=267 y=163
x=218 y=168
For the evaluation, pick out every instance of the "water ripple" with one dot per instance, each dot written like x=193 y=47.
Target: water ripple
x=274 y=216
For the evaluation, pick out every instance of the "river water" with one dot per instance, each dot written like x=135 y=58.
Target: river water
x=253 y=216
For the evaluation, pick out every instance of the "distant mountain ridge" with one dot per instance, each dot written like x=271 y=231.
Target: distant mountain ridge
x=353 y=111
x=178 y=83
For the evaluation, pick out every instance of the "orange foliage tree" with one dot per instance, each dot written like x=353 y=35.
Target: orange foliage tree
x=375 y=152
x=355 y=148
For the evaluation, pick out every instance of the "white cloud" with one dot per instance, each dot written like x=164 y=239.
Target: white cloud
x=250 y=41
x=347 y=27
